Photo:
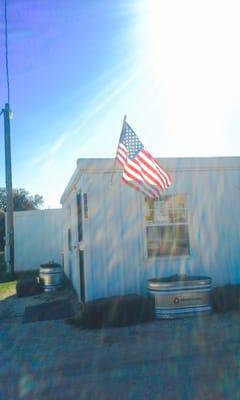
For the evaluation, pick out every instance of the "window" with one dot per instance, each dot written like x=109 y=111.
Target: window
x=69 y=240
x=167 y=226
x=79 y=216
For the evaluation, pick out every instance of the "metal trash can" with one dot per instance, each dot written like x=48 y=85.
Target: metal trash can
x=181 y=295
x=51 y=276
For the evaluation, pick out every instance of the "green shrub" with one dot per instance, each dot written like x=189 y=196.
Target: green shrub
x=226 y=298
x=27 y=287
x=115 y=311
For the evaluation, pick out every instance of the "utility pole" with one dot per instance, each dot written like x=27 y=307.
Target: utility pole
x=8 y=172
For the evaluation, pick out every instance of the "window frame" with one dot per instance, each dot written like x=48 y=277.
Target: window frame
x=162 y=224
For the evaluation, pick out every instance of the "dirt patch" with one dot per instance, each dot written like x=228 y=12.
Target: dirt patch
x=191 y=358
x=168 y=359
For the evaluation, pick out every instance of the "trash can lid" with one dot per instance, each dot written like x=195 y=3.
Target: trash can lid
x=51 y=265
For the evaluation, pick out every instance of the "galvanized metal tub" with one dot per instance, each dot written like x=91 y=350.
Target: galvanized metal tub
x=51 y=276
x=181 y=296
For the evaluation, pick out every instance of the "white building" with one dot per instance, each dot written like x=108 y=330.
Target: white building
x=114 y=240
x=38 y=238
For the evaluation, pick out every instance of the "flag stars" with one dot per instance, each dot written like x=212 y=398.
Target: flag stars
x=131 y=141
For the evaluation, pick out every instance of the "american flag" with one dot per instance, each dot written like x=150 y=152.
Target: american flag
x=140 y=170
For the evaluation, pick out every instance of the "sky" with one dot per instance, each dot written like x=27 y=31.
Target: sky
x=78 y=66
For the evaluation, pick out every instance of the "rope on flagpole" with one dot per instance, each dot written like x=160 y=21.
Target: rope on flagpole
x=115 y=161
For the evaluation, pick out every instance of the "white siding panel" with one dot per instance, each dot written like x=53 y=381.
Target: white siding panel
x=113 y=242
x=38 y=238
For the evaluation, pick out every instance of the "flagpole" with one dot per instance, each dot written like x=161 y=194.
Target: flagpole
x=114 y=166
x=8 y=165
x=8 y=172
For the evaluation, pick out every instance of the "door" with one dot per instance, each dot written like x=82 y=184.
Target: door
x=81 y=252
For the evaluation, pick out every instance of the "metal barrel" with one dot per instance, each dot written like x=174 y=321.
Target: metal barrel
x=179 y=297
x=50 y=276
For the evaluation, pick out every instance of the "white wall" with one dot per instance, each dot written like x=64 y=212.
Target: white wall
x=116 y=261
x=38 y=238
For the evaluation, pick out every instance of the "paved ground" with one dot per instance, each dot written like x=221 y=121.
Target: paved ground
x=178 y=359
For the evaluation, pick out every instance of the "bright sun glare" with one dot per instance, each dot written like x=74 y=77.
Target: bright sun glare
x=189 y=49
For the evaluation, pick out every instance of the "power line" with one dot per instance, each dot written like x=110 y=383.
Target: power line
x=6 y=50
